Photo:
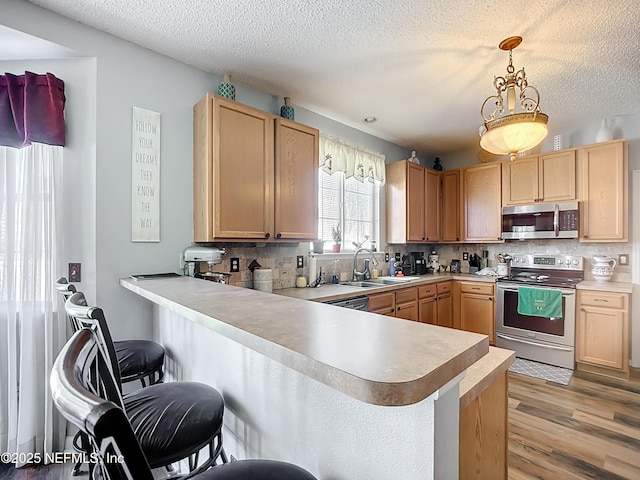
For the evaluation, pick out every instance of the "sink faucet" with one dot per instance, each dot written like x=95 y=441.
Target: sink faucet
x=356 y=274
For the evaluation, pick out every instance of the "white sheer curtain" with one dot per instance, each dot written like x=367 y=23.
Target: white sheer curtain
x=31 y=331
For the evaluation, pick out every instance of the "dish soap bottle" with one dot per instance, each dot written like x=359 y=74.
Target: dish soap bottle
x=366 y=272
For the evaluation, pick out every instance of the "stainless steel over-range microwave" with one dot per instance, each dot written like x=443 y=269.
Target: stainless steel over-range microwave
x=541 y=220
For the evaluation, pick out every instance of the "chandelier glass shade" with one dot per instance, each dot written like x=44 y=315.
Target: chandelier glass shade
x=517 y=124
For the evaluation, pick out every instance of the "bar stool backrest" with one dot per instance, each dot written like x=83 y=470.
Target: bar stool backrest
x=106 y=380
x=104 y=422
x=67 y=289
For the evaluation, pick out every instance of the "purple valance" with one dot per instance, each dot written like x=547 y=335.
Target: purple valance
x=31 y=110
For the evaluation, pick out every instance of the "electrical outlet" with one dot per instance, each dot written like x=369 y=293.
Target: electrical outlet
x=386 y=256
x=299 y=261
x=398 y=256
x=623 y=259
x=465 y=255
x=235 y=265
x=74 y=272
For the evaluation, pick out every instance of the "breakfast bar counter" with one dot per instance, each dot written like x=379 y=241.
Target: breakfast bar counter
x=343 y=393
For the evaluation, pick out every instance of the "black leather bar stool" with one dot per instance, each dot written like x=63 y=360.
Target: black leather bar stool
x=121 y=456
x=171 y=421
x=139 y=360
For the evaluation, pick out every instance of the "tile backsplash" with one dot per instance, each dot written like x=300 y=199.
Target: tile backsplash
x=281 y=258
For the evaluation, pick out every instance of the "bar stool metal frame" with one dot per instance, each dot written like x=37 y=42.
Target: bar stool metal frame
x=114 y=443
x=101 y=377
x=147 y=372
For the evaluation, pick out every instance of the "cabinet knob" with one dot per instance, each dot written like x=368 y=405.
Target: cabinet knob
x=267 y=235
x=490 y=299
x=585 y=236
x=279 y=235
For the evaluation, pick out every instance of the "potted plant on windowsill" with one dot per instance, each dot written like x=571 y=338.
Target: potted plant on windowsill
x=337 y=238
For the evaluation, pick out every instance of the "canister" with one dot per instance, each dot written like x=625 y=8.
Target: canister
x=262 y=279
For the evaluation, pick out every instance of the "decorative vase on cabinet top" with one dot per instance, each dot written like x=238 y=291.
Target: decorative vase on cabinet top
x=226 y=89
x=604 y=134
x=602 y=270
x=287 y=111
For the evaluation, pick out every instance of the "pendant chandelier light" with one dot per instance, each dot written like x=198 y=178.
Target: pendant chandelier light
x=519 y=125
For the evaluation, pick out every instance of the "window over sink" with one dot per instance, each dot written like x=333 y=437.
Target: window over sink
x=348 y=193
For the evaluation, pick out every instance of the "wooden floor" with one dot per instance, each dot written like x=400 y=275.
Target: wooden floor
x=589 y=429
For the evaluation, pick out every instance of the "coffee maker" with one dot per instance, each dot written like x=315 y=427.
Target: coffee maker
x=419 y=263
x=195 y=255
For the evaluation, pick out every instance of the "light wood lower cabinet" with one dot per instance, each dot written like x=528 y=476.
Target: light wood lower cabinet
x=401 y=303
x=475 y=308
x=602 y=333
x=483 y=434
x=435 y=304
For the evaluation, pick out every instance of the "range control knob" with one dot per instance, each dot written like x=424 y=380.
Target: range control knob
x=575 y=262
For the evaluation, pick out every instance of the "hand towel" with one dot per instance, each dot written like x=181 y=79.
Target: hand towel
x=539 y=302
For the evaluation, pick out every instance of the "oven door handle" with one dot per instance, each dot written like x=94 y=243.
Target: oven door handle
x=519 y=340
x=565 y=292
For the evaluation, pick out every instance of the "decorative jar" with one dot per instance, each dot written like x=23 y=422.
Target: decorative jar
x=602 y=270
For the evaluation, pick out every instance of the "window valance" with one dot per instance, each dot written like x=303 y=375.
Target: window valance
x=31 y=110
x=356 y=162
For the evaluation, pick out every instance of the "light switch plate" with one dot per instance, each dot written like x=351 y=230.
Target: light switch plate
x=623 y=259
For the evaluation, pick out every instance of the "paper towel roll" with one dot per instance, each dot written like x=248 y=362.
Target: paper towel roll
x=262 y=279
x=312 y=269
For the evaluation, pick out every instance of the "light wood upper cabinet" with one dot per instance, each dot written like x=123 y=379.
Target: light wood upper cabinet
x=413 y=203
x=296 y=171
x=544 y=178
x=450 y=220
x=604 y=194
x=248 y=167
x=482 y=203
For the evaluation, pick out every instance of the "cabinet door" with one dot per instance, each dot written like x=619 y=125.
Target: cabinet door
x=427 y=310
x=408 y=311
x=601 y=337
x=415 y=203
x=603 y=171
x=477 y=314
x=520 y=181
x=296 y=181
x=432 y=207
x=383 y=303
x=445 y=310
x=482 y=203
x=557 y=176
x=233 y=171
x=450 y=220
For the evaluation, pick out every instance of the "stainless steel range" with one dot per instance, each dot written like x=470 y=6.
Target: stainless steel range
x=543 y=339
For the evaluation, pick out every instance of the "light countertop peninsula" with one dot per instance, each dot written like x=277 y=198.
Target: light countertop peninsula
x=374 y=358
x=616 y=287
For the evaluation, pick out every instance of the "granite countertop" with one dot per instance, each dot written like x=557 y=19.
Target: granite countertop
x=616 y=287
x=329 y=292
x=374 y=358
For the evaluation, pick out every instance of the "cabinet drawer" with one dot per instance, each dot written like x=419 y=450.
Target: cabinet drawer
x=407 y=295
x=443 y=287
x=426 y=291
x=476 y=287
x=382 y=301
x=603 y=299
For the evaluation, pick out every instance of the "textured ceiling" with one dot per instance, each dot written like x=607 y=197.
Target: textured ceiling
x=422 y=67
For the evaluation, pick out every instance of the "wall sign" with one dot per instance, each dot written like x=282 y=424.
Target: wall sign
x=145 y=176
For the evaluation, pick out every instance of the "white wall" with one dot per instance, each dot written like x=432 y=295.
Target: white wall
x=125 y=76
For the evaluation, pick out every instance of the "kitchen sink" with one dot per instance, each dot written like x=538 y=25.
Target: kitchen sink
x=364 y=284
